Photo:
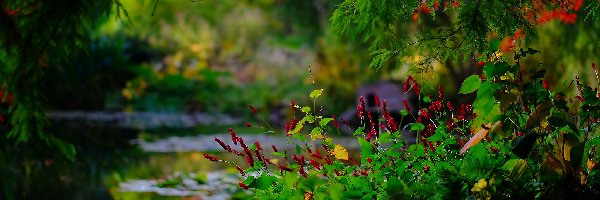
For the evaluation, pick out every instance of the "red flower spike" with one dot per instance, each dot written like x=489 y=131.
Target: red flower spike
x=406 y=84
x=308 y=149
x=416 y=89
x=252 y=108
x=369 y=160
x=328 y=160
x=302 y=172
x=426 y=169
x=244 y=186
x=240 y=170
x=315 y=164
x=337 y=173
x=335 y=122
x=211 y=157
x=258 y=147
x=234 y=137
x=494 y=149
x=406 y=107
x=545 y=84
x=274 y=148
x=248 y=124
x=249 y=158
x=228 y=148
x=441 y=92
x=293 y=105
x=520 y=134
x=317 y=155
x=449 y=105
x=364 y=173
x=594 y=66
x=285 y=168
x=376 y=100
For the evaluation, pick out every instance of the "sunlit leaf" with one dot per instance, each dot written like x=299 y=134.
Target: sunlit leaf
x=340 y=152
x=475 y=139
x=324 y=121
x=470 y=84
x=316 y=93
x=305 y=109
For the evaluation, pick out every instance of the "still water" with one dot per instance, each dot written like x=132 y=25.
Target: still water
x=118 y=163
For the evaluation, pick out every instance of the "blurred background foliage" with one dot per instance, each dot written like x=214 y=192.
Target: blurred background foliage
x=218 y=56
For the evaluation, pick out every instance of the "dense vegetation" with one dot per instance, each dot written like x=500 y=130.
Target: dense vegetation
x=519 y=138
x=530 y=132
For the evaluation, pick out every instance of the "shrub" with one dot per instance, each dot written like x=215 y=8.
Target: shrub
x=518 y=139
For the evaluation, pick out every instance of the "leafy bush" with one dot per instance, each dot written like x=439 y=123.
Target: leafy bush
x=519 y=139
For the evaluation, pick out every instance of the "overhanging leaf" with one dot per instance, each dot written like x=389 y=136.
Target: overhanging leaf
x=470 y=84
x=475 y=139
x=539 y=114
x=523 y=145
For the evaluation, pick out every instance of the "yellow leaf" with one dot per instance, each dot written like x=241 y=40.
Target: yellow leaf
x=340 y=152
x=475 y=139
x=308 y=195
x=590 y=164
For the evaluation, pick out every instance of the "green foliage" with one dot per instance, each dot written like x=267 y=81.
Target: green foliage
x=446 y=29
x=520 y=142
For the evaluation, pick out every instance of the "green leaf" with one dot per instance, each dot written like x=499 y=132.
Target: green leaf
x=426 y=99
x=316 y=93
x=539 y=74
x=404 y=112
x=577 y=155
x=335 y=191
x=359 y=131
x=417 y=127
x=494 y=45
x=324 y=121
x=417 y=150
x=523 y=145
x=299 y=137
x=560 y=122
x=365 y=149
x=497 y=69
x=305 y=109
x=470 y=84
x=279 y=154
x=516 y=168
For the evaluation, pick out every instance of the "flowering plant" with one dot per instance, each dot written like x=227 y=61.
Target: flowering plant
x=518 y=139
